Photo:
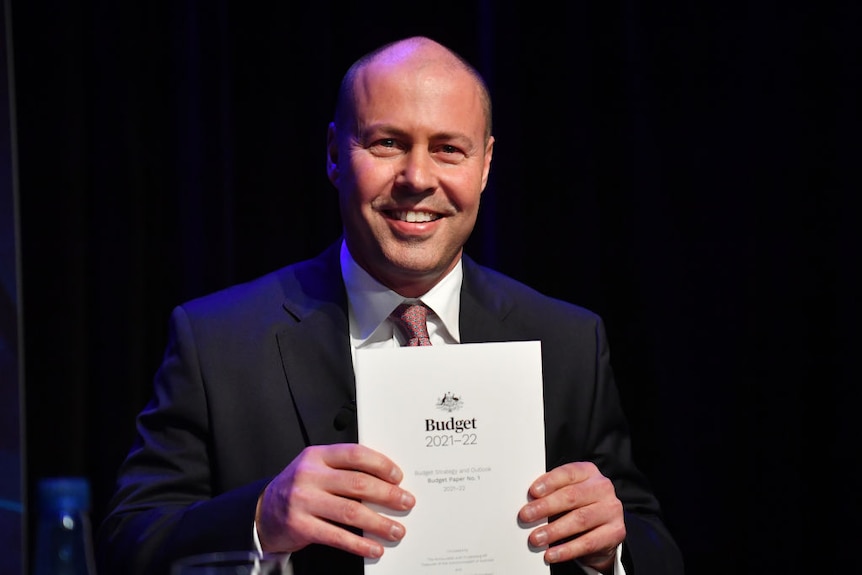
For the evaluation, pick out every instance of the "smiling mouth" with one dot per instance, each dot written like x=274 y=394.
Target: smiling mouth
x=412 y=216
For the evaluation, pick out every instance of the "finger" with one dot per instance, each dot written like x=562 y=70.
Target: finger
x=595 y=548
x=583 y=491
x=340 y=511
x=567 y=474
x=357 y=485
x=326 y=533
x=568 y=498
x=356 y=471
x=580 y=520
x=353 y=512
x=358 y=457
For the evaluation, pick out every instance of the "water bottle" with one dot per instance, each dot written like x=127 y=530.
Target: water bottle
x=64 y=544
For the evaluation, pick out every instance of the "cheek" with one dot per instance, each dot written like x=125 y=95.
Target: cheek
x=370 y=181
x=357 y=198
x=466 y=192
x=354 y=185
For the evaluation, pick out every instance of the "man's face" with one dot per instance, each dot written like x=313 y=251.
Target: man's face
x=410 y=172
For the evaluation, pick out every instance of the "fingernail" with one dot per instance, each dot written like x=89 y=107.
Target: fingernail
x=407 y=500
x=375 y=551
x=541 y=537
x=540 y=489
x=551 y=555
x=396 y=532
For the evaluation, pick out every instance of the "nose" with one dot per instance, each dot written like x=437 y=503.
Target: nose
x=418 y=172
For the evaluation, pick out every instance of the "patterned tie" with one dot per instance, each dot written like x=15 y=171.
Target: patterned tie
x=411 y=319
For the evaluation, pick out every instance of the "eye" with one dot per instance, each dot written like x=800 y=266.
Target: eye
x=449 y=153
x=385 y=147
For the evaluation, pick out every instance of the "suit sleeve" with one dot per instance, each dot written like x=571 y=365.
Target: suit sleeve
x=649 y=548
x=164 y=506
x=586 y=422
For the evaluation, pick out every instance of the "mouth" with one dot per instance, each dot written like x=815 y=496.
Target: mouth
x=412 y=216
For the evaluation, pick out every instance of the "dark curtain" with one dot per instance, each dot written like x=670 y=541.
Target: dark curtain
x=686 y=169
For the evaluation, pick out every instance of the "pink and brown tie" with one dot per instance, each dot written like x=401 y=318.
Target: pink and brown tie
x=411 y=318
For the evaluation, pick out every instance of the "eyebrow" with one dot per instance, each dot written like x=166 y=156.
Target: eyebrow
x=390 y=130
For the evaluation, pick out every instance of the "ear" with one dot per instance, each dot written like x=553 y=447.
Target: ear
x=486 y=168
x=332 y=154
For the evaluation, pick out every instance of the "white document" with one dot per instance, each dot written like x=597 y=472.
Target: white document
x=466 y=425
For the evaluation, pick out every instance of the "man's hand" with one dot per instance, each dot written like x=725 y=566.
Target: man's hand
x=323 y=490
x=586 y=509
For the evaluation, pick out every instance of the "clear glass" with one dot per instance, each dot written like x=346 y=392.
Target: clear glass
x=63 y=534
x=63 y=544
x=233 y=563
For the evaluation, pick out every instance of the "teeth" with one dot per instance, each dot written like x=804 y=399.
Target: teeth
x=411 y=216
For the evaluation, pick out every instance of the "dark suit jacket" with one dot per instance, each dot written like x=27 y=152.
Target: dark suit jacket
x=255 y=373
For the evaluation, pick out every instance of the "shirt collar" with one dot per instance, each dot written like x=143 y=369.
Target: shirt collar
x=371 y=302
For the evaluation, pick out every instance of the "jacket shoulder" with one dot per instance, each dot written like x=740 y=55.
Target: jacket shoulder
x=511 y=296
x=299 y=285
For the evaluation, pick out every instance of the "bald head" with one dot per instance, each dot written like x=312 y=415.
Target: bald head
x=417 y=52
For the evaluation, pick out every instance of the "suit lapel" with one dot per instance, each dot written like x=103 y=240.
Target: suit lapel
x=315 y=350
x=483 y=309
x=315 y=347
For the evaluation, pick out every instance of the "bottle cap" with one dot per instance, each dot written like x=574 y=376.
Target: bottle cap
x=64 y=493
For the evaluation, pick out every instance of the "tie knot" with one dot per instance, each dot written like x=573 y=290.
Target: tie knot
x=411 y=318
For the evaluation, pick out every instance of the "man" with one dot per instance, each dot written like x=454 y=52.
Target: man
x=250 y=439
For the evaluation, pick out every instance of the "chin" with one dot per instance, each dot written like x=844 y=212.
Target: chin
x=415 y=255
x=412 y=268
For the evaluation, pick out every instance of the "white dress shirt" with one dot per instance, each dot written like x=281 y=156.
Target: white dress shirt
x=370 y=303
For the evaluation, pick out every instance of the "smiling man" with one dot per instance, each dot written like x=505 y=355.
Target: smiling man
x=250 y=438
x=410 y=151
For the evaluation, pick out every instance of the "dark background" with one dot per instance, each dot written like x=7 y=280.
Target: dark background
x=11 y=414
x=688 y=170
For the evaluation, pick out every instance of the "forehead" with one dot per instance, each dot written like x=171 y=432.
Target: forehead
x=418 y=90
